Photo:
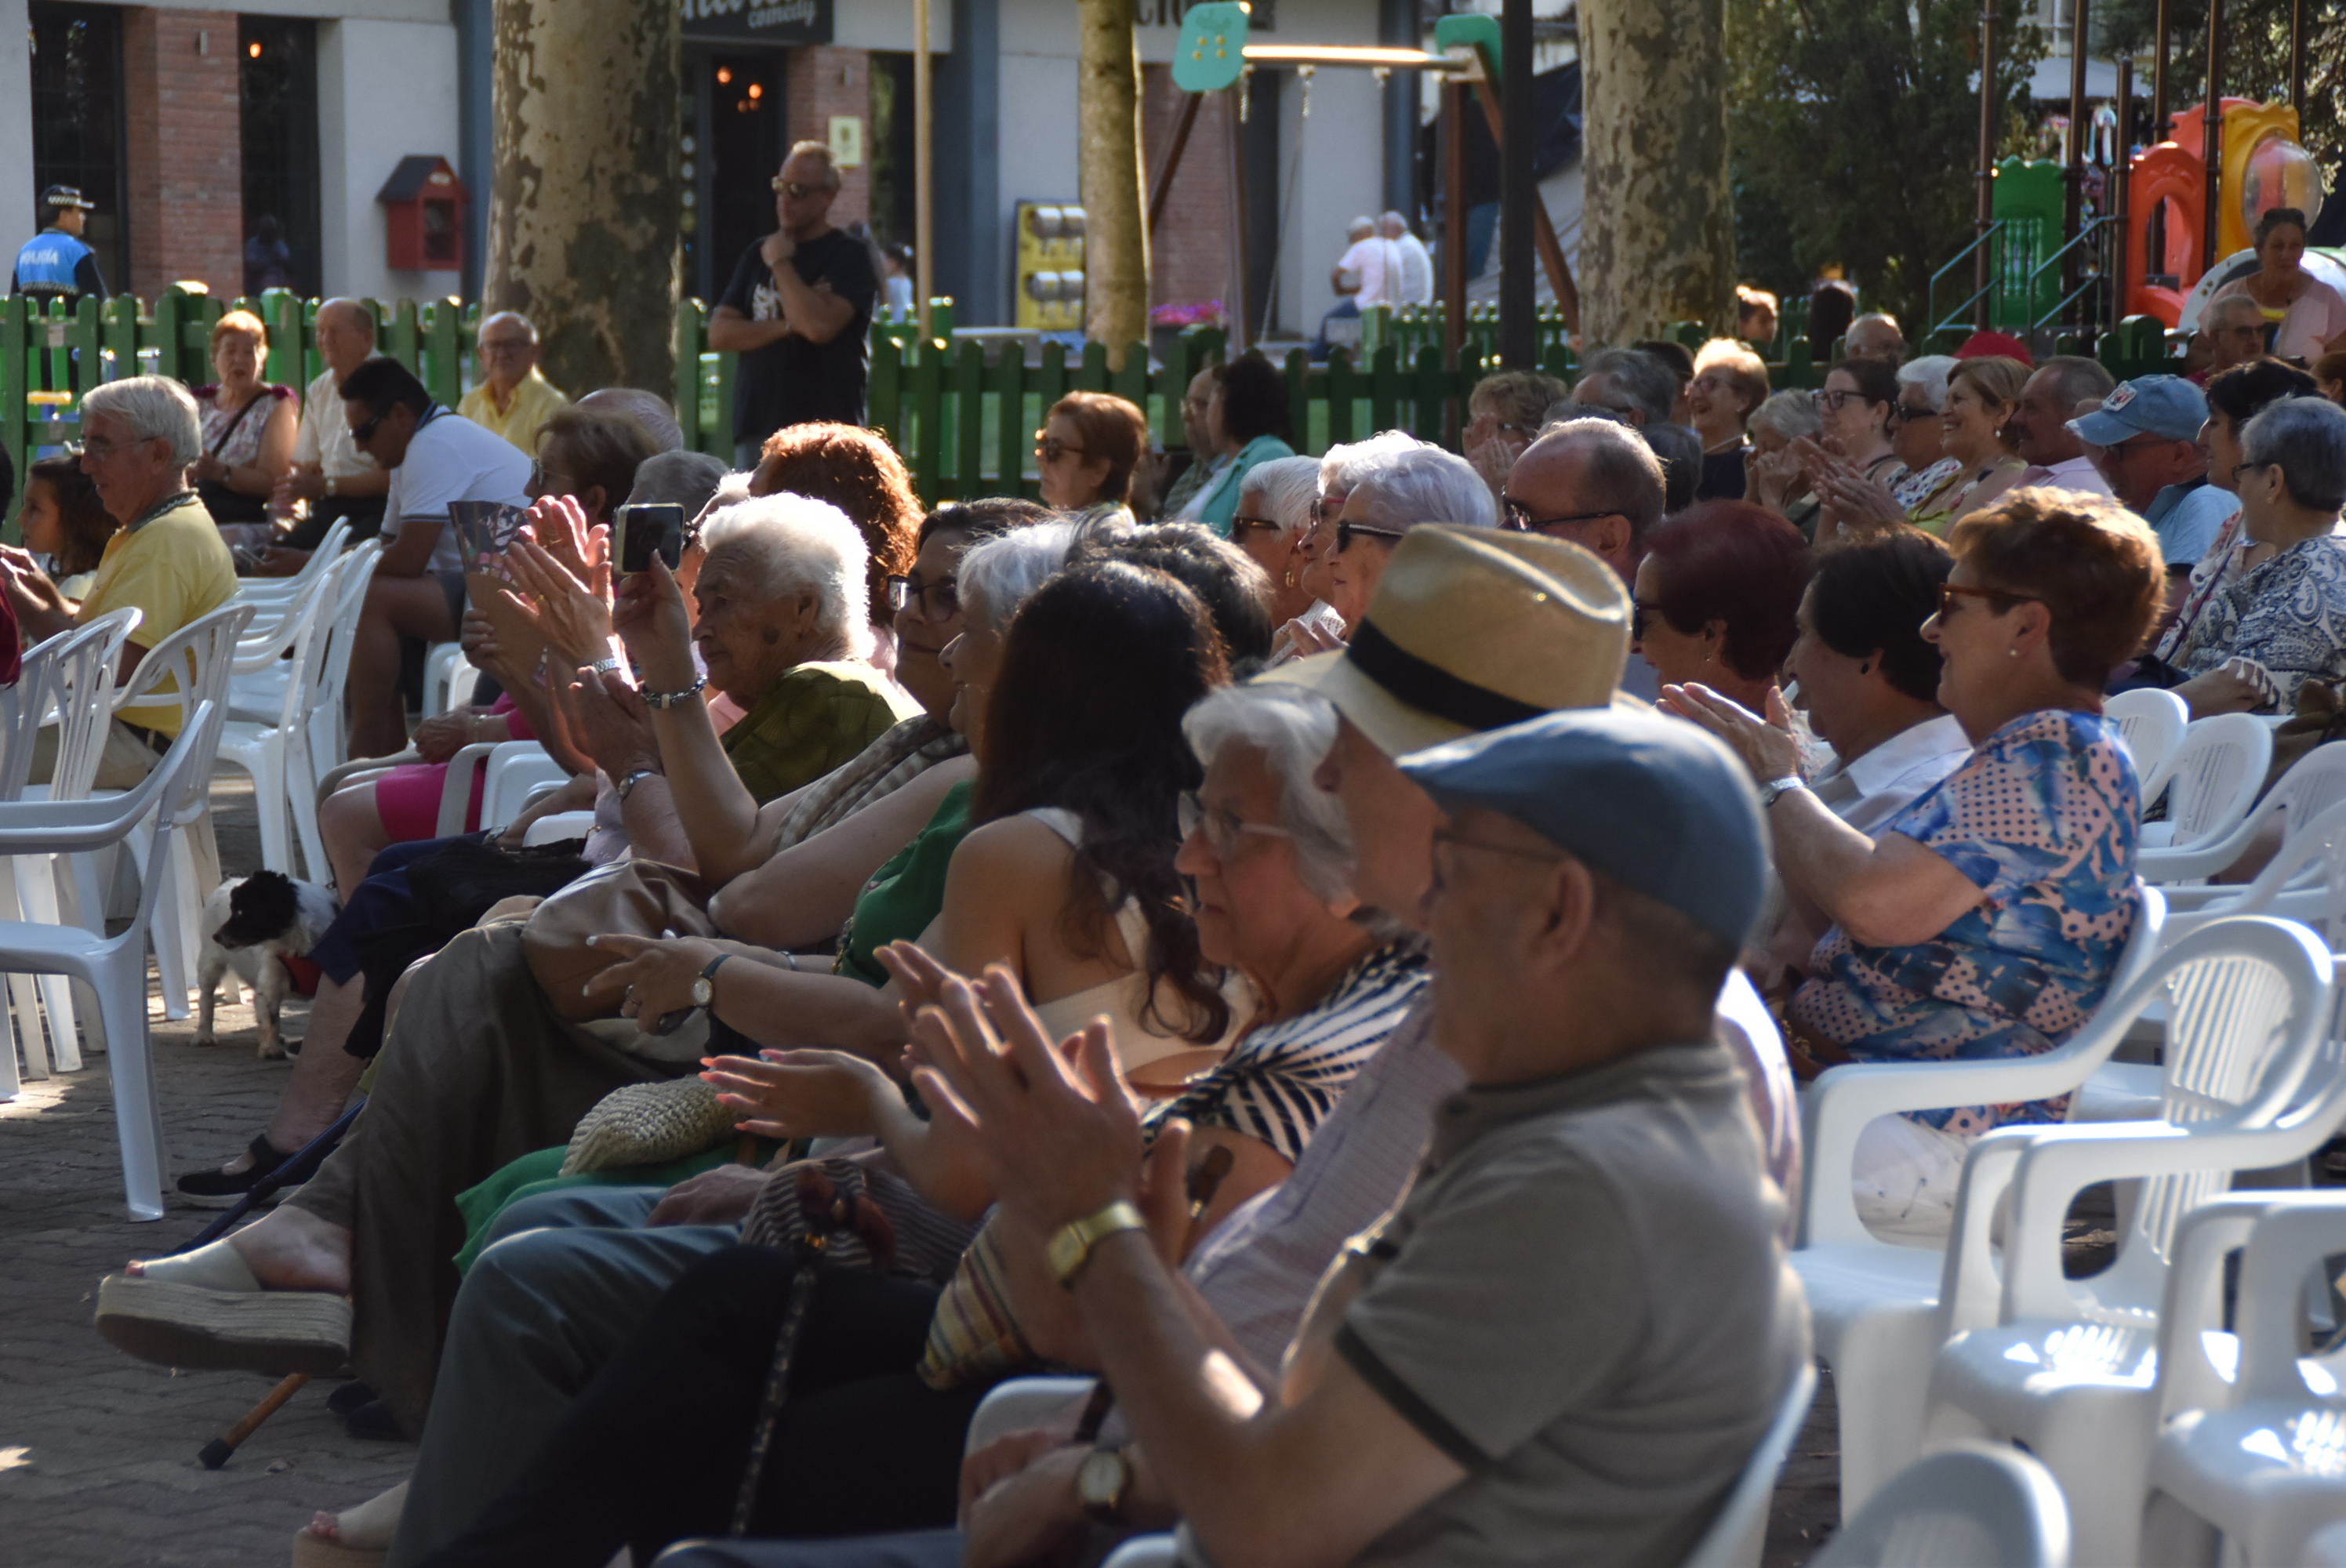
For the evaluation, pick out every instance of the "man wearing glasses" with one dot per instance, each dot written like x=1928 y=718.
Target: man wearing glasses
x=796 y=312
x=1596 y=485
x=514 y=399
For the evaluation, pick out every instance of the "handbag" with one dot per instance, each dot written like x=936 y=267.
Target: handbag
x=804 y=1198
x=632 y=898
x=2318 y=717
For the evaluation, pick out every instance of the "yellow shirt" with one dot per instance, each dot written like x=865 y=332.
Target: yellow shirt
x=535 y=401
x=175 y=569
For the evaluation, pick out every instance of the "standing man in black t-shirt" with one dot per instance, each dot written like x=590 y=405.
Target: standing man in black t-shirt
x=797 y=312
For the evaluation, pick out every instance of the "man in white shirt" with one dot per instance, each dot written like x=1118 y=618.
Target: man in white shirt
x=1366 y=274
x=2040 y=425
x=434 y=457
x=1416 y=262
x=332 y=476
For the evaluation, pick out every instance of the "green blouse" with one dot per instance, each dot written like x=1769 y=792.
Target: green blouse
x=904 y=895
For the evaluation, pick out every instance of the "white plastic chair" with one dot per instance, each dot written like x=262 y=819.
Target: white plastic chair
x=321 y=743
x=2067 y=1367
x=516 y=771
x=2315 y=784
x=260 y=744
x=1966 y=1508
x=1873 y=1306
x=2254 y=1439
x=2151 y=723
x=441 y=663
x=114 y=968
x=2210 y=782
x=264 y=656
x=1736 y=1537
x=559 y=826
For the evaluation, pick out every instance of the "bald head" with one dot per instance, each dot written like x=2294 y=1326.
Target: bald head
x=647 y=409
x=508 y=351
x=1601 y=478
x=346 y=335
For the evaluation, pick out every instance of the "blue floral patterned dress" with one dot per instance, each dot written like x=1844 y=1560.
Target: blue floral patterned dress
x=2044 y=818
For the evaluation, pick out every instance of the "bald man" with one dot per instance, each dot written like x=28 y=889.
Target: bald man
x=330 y=473
x=513 y=399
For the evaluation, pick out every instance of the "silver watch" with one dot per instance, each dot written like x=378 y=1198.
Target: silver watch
x=1776 y=790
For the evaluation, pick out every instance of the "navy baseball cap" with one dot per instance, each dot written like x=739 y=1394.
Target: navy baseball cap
x=2168 y=407
x=67 y=196
x=1654 y=802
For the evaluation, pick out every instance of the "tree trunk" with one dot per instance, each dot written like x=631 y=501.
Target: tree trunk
x=1658 y=243
x=583 y=202
x=1116 y=234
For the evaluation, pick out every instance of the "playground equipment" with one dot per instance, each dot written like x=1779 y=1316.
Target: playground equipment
x=2260 y=166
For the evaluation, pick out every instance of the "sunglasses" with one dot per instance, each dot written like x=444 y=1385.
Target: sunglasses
x=1905 y=412
x=1639 y=611
x=1050 y=448
x=940 y=600
x=794 y=190
x=1516 y=517
x=1346 y=532
x=362 y=433
x=1239 y=524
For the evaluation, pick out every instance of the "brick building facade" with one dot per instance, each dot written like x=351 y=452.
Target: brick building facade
x=182 y=124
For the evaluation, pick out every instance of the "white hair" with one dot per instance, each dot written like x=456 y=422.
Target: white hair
x=1930 y=372
x=1400 y=489
x=155 y=408
x=1788 y=414
x=2220 y=312
x=1004 y=571
x=801 y=546
x=1341 y=469
x=493 y=318
x=1288 y=487
x=1293 y=729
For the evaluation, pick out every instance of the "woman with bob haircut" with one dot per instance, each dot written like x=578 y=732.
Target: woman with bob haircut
x=1729 y=383
x=1716 y=597
x=1983 y=921
x=1248 y=418
x=248 y=425
x=1085 y=453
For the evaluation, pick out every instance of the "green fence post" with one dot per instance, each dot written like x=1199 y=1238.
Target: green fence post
x=685 y=389
x=928 y=400
x=886 y=404
x=1429 y=386
x=1385 y=389
x=442 y=350
x=1013 y=436
x=1091 y=375
x=1340 y=384
x=969 y=419
x=402 y=341
x=120 y=328
x=1131 y=384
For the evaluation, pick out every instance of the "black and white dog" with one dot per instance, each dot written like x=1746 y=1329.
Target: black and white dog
x=259 y=926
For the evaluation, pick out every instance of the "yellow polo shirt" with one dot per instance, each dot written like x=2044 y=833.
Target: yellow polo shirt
x=535 y=401
x=175 y=569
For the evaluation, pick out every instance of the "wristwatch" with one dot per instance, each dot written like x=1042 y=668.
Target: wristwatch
x=1072 y=1246
x=329 y=487
x=704 y=985
x=1101 y=1482
x=628 y=785
x=1776 y=790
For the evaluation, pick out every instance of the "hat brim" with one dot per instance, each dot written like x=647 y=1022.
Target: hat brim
x=78 y=204
x=1392 y=726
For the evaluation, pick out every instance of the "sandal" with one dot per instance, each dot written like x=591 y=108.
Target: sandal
x=220 y=1184
x=363 y=1535
x=204 y=1311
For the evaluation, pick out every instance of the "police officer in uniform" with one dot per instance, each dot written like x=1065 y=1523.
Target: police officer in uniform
x=55 y=264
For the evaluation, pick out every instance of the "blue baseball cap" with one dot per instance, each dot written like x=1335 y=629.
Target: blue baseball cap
x=1654 y=802
x=2168 y=407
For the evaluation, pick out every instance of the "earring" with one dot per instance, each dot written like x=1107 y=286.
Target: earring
x=2012 y=653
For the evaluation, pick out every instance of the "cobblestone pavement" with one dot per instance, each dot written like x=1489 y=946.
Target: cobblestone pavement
x=97 y=1451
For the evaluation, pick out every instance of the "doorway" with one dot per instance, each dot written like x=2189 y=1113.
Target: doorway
x=733 y=137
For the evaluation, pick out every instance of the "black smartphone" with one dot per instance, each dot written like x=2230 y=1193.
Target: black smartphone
x=654 y=528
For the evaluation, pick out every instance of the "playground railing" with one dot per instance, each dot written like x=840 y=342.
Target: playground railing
x=1958 y=316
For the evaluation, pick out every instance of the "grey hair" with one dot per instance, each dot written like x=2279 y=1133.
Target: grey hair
x=1341 y=468
x=2251 y=314
x=2078 y=378
x=1293 y=729
x=1790 y=414
x=686 y=479
x=1287 y=486
x=496 y=316
x=1621 y=469
x=1930 y=372
x=156 y=408
x=1002 y=572
x=649 y=410
x=2305 y=437
x=1652 y=385
x=1425 y=485
x=361 y=317
x=1877 y=319
x=801 y=546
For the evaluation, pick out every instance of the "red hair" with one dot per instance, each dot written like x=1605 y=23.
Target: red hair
x=1738 y=564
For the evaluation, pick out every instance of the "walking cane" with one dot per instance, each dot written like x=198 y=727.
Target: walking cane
x=292 y=1173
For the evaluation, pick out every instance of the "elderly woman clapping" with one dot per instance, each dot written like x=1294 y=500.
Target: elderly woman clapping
x=2282 y=620
x=1985 y=920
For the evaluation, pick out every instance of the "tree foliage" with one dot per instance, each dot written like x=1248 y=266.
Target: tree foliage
x=1854 y=125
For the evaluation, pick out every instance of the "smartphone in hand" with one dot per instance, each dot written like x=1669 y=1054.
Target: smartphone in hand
x=642 y=532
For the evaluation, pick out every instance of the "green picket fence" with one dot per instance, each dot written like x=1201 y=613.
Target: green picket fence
x=962 y=411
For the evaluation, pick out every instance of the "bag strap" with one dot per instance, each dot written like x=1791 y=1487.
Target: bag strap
x=255 y=401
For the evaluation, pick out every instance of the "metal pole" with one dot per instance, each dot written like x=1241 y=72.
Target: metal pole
x=2159 y=77
x=1518 y=323
x=2080 y=136
x=924 y=230
x=2211 y=141
x=1454 y=222
x=2120 y=197
x=1983 y=209
x=2297 y=61
x=1244 y=335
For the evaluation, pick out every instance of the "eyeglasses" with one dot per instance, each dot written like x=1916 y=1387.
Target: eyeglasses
x=1997 y=600
x=98 y=451
x=1516 y=517
x=2241 y=468
x=1833 y=401
x=1239 y=524
x=511 y=346
x=1050 y=448
x=940 y=600
x=1223 y=829
x=794 y=190
x=1639 y=609
x=1347 y=531
x=1907 y=412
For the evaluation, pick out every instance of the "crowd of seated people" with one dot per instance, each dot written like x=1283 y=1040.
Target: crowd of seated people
x=1062 y=935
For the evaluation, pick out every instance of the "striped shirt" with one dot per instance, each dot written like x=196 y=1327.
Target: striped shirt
x=1279 y=1082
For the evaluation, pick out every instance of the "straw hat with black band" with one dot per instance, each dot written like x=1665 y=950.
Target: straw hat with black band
x=1473 y=629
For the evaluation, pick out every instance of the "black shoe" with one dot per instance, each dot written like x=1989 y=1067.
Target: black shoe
x=220 y=1184
x=372 y=1422
x=349 y=1397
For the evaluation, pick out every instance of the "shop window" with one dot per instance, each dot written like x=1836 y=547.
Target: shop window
x=77 y=133
x=278 y=80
